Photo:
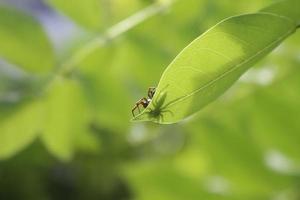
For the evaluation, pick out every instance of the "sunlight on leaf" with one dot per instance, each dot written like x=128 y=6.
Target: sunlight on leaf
x=207 y=67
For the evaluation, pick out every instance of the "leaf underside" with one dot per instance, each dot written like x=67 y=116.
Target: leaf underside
x=208 y=66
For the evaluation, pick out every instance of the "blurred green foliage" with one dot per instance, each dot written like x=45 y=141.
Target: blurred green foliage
x=69 y=136
x=16 y=37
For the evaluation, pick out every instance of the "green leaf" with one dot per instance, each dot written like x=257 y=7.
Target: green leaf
x=66 y=119
x=24 y=42
x=18 y=128
x=207 y=67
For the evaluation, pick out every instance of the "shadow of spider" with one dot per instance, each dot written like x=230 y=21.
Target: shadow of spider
x=159 y=109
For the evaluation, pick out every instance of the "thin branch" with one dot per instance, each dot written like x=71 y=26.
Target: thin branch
x=111 y=33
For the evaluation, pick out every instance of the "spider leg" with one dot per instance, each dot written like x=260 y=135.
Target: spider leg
x=138 y=107
x=143 y=101
x=134 y=108
x=151 y=91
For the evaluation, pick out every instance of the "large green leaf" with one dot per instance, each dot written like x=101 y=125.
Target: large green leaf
x=18 y=128
x=207 y=67
x=24 y=42
x=285 y=8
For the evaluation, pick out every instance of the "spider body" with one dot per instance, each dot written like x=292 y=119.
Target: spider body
x=144 y=101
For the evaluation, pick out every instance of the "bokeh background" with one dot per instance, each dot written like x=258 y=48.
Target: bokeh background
x=70 y=72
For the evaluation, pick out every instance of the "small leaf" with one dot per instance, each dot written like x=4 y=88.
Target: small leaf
x=65 y=119
x=18 y=128
x=207 y=67
x=24 y=42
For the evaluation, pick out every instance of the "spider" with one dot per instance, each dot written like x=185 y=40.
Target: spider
x=144 y=101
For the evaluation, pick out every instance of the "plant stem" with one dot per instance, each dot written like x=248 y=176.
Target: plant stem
x=111 y=33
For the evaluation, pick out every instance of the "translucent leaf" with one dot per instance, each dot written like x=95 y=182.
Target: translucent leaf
x=207 y=67
x=285 y=8
x=24 y=42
